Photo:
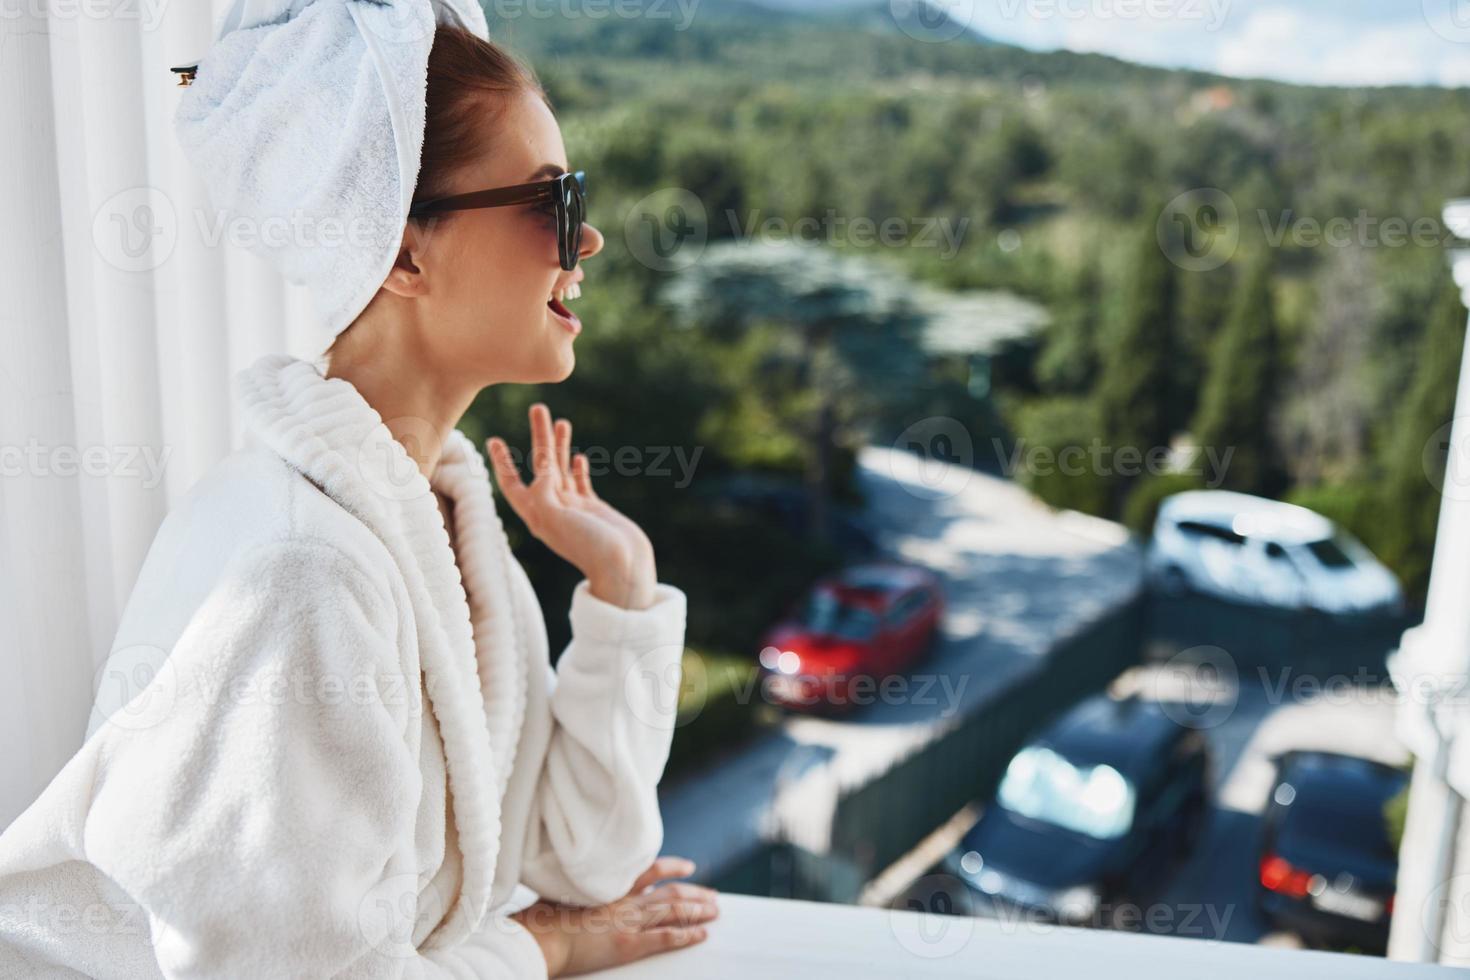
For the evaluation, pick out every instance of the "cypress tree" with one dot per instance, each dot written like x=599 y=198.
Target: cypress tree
x=1242 y=385
x=1414 y=455
x=1135 y=390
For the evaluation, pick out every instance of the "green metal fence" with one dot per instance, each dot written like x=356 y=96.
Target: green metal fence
x=1263 y=641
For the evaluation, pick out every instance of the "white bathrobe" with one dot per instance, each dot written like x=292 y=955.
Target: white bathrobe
x=322 y=748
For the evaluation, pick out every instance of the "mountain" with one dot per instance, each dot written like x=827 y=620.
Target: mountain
x=918 y=19
x=789 y=40
x=905 y=20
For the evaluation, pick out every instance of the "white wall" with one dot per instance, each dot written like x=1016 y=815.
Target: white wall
x=119 y=330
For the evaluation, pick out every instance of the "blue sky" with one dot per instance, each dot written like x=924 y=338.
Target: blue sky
x=1323 y=42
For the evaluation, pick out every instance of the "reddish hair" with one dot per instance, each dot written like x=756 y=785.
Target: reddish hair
x=462 y=67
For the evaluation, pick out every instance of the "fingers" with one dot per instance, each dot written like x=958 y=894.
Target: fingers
x=641 y=944
x=679 y=904
x=543 y=444
x=564 y=451
x=506 y=474
x=666 y=866
x=551 y=448
x=551 y=456
x=582 y=475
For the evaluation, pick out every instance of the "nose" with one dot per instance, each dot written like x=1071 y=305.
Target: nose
x=591 y=242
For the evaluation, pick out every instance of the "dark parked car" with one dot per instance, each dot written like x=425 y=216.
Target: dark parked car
x=1094 y=814
x=1327 y=866
x=834 y=647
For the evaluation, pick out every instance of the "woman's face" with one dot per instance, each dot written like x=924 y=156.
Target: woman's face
x=490 y=273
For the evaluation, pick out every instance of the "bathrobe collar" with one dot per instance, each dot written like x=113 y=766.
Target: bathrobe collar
x=326 y=430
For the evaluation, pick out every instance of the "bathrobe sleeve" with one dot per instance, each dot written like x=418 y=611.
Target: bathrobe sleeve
x=614 y=698
x=261 y=810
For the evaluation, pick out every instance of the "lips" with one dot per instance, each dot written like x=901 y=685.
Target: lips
x=568 y=318
x=557 y=303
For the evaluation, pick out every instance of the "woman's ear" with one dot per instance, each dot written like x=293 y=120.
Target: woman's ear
x=407 y=278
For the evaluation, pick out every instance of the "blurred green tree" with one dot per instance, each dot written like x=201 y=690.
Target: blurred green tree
x=1068 y=362
x=1047 y=430
x=1415 y=456
x=854 y=341
x=1241 y=387
x=1136 y=388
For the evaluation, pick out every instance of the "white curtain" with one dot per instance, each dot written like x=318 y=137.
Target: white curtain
x=123 y=314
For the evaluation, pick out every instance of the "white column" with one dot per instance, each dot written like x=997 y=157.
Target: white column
x=257 y=315
x=120 y=226
x=45 y=651
x=303 y=325
x=193 y=335
x=1432 y=908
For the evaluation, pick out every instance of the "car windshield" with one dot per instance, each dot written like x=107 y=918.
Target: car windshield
x=827 y=615
x=1092 y=800
x=1330 y=553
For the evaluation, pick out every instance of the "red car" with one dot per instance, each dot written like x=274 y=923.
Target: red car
x=836 y=648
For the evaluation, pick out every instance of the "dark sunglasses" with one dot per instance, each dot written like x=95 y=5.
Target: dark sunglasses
x=566 y=192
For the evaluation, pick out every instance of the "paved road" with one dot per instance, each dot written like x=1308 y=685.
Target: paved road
x=1017 y=577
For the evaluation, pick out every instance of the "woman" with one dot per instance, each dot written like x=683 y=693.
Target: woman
x=328 y=741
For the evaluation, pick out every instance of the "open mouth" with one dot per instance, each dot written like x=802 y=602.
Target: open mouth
x=557 y=305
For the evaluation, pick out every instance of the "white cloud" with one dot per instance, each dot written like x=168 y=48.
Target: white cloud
x=1321 y=42
x=1278 y=42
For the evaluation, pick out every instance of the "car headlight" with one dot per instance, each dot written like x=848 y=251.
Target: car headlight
x=1077 y=903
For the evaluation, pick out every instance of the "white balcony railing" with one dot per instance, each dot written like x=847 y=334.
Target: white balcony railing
x=764 y=937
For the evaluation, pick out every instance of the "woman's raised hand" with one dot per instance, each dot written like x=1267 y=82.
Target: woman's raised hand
x=562 y=510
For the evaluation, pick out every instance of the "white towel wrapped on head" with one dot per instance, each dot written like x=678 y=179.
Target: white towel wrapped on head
x=306 y=120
